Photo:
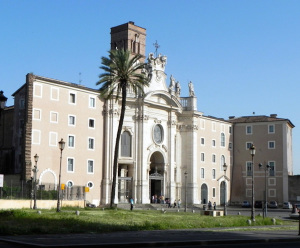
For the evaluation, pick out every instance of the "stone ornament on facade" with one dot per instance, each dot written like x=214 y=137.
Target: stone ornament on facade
x=191 y=89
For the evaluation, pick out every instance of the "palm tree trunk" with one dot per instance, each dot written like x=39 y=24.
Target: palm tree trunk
x=116 y=155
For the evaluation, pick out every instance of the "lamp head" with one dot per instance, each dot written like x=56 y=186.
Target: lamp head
x=252 y=150
x=36 y=158
x=61 y=144
x=3 y=100
x=225 y=166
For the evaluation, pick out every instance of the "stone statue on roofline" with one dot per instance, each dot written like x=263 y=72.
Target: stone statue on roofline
x=172 y=84
x=177 y=89
x=191 y=89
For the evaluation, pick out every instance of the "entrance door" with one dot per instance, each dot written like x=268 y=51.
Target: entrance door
x=204 y=195
x=156 y=187
x=222 y=193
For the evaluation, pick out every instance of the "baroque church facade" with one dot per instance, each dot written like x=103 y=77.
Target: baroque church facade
x=168 y=148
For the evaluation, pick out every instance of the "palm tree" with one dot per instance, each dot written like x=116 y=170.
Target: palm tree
x=122 y=72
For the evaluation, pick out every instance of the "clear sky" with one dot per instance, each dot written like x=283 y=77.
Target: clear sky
x=242 y=56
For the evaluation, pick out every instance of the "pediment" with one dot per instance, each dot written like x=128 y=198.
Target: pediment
x=162 y=98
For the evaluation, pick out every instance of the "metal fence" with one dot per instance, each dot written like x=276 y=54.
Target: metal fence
x=21 y=190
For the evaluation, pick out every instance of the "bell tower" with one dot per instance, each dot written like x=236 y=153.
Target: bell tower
x=129 y=37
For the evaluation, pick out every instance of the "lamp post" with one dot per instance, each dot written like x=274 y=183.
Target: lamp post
x=35 y=170
x=252 y=152
x=61 y=144
x=185 y=207
x=3 y=100
x=267 y=167
x=225 y=168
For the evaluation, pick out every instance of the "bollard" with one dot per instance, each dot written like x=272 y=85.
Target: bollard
x=193 y=211
x=239 y=213
x=178 y=210
x=77 y=212
x=274 y=221
x=39 y=212
x=249 y=222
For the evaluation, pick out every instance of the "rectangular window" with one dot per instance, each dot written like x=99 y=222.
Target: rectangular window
x=36 y=114
x=70 y=164
x=72 y=98
x=230 y=129
x=72 y=120
x=202 y=172
x=22 y=103
x=54 y=94
x=214 y=174
x=202 y=141
x=230 y=146
x=248 y=145
x=202 y=124
x=214 y=143
x=214 y=192
x=92 y=102
x=202 y=156
x=213 y=158
x=37 y=90
x=53 y=117
x=91 y=123
x=71 y=141
x=36 y=137
x=272 y=168
x=248 y=129
x=249 y=168
x=271 y=128
x=213 y=126
x=52 y=139
x=91 y=143
x=90 y=168
x=271 y=144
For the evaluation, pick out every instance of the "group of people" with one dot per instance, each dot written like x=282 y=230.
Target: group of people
x=162 y=200
x=210 y=205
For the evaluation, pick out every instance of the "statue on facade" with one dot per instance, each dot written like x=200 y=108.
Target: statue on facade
x=177 y=88
x=172 y=84
x=191 y=89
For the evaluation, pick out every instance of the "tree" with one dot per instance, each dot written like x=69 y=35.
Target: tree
x=122 y=71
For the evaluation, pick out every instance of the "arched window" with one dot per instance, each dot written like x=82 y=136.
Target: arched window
x=222 y=139
x=222 y=163
x=126 y=144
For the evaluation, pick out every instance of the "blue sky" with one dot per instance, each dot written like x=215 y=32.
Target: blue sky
x=242 y=56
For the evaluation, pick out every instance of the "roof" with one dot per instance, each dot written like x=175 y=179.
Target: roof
x=258 y=118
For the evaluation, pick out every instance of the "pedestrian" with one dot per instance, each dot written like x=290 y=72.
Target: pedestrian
x=209 y=205
x=215 y=205
x=174 y=204
x=178 y=203
x=131 y=203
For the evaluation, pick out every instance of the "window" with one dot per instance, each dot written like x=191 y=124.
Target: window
x=52 y=139
x=230 y=146
x=213 y=126
x=222 y=163
x=272 y=168
x=70 y=164
x=72 y=98
x=126 y=144
x=37 y=90
x=91 y=143
x=271 y=128
x=90 y=185
x=91 y=123
x=214 y=143
x=70 y=184
x=90 y=168
x=249 y=168
x=222 y=139
x=53 y=117
x=248 y=145
x=36 y=114
x=71 y=141
x=202 y=156
x=92 y=102
x=271 y=144
x=36 y=137
x=214 y=192
x=72 y=120
x=54 y=93
x=213 y=158
x=202 y=124
x=230 y=129
x=202 y=172
x=214 y=174
x=22 y=103
x=248 y=129
x=202 y=141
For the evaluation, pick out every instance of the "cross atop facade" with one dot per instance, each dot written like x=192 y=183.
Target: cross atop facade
x=156 y=47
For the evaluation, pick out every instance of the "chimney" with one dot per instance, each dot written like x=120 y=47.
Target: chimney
x=273 y=115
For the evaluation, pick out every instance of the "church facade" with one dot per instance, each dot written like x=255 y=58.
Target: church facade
x=168 y=148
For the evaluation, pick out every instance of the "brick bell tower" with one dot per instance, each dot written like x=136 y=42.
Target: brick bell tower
x=129 y=37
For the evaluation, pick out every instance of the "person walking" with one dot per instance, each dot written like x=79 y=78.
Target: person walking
x=131 y=203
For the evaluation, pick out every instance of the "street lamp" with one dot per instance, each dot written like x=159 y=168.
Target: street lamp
x=225 y=168
x=3 y=100
x=61 y=144
x=267 y=167
x=185 y=174
x=35 y=170
x=252 y=152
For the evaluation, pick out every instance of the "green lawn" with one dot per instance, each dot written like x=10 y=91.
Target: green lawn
x=27 y=221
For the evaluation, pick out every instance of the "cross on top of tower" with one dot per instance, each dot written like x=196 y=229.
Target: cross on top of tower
x=156 y=47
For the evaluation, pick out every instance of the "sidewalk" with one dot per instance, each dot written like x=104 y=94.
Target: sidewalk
x=169 y=238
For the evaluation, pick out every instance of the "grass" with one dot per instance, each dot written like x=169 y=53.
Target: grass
x=28 y=221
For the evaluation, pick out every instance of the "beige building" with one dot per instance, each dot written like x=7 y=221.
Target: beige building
x=168 y=148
